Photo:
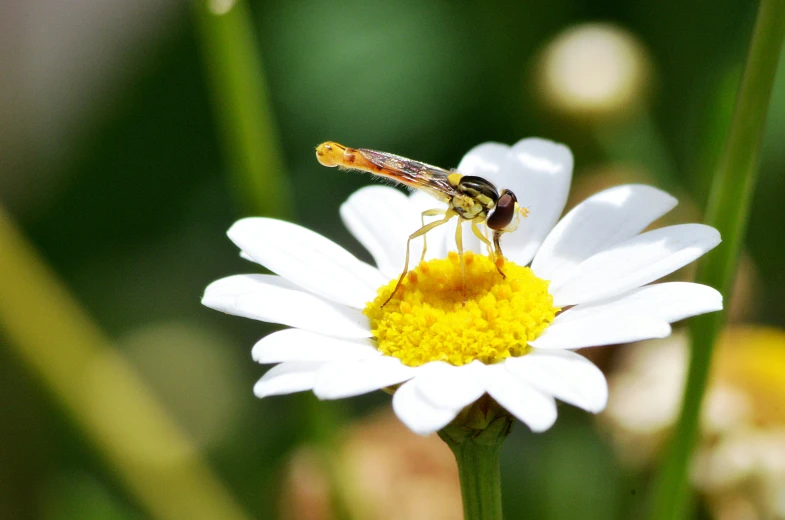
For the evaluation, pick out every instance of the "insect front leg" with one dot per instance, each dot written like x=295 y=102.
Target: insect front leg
x=479 y=234
x=448 y=214
x=498 y=256
x=494 y=252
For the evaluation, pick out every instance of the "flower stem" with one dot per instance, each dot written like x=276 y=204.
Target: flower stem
x=234 y=67
x=477 y=455
x=727 y=210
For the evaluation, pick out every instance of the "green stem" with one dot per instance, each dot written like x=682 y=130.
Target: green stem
x=234 y=67
x=477 y=455
x=727 y=210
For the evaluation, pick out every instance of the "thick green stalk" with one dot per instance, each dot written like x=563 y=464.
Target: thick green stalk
x=727 y=210
x=106 y=398
x=234 y=67
x=477 y=455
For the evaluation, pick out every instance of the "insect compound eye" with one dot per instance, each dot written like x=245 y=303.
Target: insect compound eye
x=477 y=186
x=504 y=211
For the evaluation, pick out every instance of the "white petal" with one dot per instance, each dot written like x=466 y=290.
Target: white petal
x=604 y=329
x=539 y=172
x=275 y=300
x=670 y=301
x=484 y=160
x=601 y=221
x=349 y=378
x=633 y=263
x=301 y=345
x=287 y=378
x=308 y=259
x=417 y=413
x=530 y=406
x=565 y=375
x=450 y=386
x=380 y=218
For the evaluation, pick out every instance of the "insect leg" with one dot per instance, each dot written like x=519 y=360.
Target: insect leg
x=498 y=256
x=428 y=213
x=459 y=243
x=448 y=214
x=495 y=253
x=479 y=234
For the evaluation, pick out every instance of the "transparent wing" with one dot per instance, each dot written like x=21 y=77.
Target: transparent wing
x=421 y=176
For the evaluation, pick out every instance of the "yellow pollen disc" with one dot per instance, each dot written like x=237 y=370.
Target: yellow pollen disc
x=432 y=317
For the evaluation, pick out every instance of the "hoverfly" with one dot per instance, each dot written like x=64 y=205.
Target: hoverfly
x=468 y=197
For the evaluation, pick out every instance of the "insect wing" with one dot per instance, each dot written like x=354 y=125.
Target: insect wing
x=426 y=177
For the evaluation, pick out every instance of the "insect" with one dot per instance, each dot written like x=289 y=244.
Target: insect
x=468 y=197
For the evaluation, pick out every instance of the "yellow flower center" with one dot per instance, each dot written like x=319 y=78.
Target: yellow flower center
x=433 y=317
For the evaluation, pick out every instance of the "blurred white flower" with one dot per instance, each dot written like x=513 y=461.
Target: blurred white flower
x=739 y=464
x=594 y=70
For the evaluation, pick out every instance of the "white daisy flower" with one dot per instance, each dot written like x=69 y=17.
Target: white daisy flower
x=443 y=347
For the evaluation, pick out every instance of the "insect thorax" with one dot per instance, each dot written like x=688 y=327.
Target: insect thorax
x=468 y=207
x=477 y=196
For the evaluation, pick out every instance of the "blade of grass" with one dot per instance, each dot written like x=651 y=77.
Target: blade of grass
x=101 y=392
x=242 y=108
x=727 y=210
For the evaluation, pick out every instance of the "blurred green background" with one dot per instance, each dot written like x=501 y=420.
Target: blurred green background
x=114 y=167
